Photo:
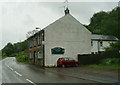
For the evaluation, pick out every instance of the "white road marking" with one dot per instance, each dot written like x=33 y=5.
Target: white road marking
x=8 y=66
x=17 y=73
x=11 y=68
x=30 y=81
x=21 y=75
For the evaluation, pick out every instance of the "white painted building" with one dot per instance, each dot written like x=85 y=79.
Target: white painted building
x=66 y=37
x=99 y=42
x=69 y=34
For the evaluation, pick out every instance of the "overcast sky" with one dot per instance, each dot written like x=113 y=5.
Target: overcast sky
x=17 y=17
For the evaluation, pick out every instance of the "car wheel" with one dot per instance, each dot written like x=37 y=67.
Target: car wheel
x=63 y=66
x=76 y=65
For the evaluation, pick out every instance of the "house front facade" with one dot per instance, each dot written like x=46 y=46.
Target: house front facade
x=66 y=37
x=36 y=48
x=100 y=42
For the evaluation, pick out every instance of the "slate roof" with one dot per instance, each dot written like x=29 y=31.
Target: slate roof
x=104 y=37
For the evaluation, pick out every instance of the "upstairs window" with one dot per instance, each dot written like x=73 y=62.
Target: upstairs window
x=35 y=41
x=91 y=43
x=30 y=43
x=39 y=39
x=101 y=43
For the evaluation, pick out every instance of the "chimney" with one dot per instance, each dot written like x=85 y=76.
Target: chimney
x=66 y=11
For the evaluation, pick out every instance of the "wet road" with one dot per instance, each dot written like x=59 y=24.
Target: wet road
x=14 y=72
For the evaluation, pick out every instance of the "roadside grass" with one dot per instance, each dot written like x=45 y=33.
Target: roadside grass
x=108 y=63
x=113 y=67
x=0 y=57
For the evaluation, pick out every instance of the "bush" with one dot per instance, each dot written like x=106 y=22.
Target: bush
x=22 y=56
x=110 y=61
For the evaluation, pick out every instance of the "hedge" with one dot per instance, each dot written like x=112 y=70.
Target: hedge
x=86 y=59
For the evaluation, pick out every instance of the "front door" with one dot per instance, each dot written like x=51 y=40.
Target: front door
x=35 y=57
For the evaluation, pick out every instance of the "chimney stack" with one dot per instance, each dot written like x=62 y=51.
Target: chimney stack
x=66 y=11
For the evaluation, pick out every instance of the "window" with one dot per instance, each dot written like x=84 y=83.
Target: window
x=101 y=43
x=30 y=43
x=34 y=41
x=71 y=59
x=91 y=43
x=57 y=50
x=66 y=59
x=40 y=54
x=39 y=39
x=30 y=55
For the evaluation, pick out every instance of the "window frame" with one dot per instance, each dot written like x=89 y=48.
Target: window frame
x=101 y=43
x=40 y=54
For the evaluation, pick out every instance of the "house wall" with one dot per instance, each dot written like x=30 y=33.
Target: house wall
x=69 y=34
x=36 y=49
x=97 y=47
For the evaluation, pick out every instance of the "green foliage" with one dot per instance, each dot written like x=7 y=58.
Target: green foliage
x=0 y=57
x=114 y=67
x=22 y=56
x=110 y=61
x=10 y=48
x=114 y=46
x=18 y=50
x=107 y=23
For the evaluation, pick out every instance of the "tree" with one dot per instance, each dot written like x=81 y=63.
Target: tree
x=107 y=23
x=8 y=49
x=114 y=46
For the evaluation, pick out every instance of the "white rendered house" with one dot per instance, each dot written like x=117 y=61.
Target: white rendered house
x=66 y=37
x=99 y=42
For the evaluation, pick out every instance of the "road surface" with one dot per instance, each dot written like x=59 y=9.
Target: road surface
x=13 y=72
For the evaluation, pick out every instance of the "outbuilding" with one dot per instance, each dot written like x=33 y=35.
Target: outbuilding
x=100 y=42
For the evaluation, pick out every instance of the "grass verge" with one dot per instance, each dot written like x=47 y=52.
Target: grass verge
x=113 y=67
x=0 y=57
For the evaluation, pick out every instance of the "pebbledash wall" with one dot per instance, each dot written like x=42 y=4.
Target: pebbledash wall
x=66 y=37
x=69 y=34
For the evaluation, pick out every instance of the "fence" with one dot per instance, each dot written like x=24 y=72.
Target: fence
x=86 y=59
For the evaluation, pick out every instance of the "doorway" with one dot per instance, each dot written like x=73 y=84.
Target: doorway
x=35 y=57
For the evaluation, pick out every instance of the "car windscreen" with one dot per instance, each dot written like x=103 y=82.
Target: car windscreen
x=66 y=59
x=71 y=60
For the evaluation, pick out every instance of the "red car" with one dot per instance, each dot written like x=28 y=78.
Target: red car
x=62 y=62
